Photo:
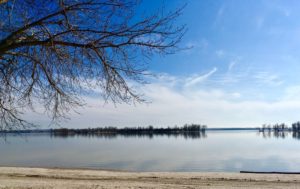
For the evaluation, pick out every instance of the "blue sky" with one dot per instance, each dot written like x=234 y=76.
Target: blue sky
x=242 y=69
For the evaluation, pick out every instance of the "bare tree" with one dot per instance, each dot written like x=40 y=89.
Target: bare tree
x=52 y=51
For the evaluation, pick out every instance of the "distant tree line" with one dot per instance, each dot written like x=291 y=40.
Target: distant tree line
x=276 y=127
x=187 y=131
x=296 y=126
x=281 y=130
x=280 y=127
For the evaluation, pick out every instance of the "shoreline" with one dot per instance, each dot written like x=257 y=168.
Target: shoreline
x=65 y=178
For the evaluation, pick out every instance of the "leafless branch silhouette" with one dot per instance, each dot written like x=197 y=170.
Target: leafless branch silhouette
x=51 y=51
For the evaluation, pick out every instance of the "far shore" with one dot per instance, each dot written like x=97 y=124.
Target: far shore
x=33 y=178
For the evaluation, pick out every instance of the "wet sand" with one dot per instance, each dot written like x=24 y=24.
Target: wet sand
x=33 y=178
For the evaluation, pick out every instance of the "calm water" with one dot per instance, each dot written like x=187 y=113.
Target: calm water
x=218 y=151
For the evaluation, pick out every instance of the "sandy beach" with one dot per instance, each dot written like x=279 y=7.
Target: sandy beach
x=33 y=178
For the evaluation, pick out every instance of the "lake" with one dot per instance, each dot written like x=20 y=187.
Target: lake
x=230 y=151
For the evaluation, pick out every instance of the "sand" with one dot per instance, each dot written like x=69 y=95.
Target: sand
x=33 y=178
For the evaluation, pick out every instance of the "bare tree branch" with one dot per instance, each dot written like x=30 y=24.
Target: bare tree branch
x=53 y=51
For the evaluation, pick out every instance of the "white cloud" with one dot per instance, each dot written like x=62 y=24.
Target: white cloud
x=219 y=15
x=270 y=79
x=231 y=65
x=229 y=56
x=196 y=46
x=236 y=95
x=292 y=93
x=170 y=106
x=234 y=60
x=198 y=79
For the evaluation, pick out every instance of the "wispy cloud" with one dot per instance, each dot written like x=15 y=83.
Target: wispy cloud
x=270 y=79
x=231 y=65
x=219 y=15
x=214 y=107
x=198 y=79
x=196 y=46
x=170 y=105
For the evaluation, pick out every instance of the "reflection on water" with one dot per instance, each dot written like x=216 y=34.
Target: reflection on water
x=215 y=151
x=186 y=135
x=280 y=134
